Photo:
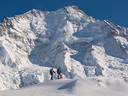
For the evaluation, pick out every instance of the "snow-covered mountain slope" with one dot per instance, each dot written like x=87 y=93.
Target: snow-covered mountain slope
x=75 y=87
x=34 y=42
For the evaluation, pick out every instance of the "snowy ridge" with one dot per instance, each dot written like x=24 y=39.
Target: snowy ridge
x=32 y=43
x=75 y=87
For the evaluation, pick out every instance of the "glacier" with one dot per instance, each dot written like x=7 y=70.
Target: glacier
x=34 y=42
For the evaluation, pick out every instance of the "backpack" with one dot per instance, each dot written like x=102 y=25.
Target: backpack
x=51 y=71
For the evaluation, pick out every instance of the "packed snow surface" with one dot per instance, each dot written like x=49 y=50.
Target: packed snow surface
x=96 y=86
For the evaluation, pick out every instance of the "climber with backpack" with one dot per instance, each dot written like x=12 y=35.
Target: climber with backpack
x=59 y=73
x=51 y=73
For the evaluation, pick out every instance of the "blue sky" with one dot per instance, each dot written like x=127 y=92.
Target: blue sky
x=113 y=10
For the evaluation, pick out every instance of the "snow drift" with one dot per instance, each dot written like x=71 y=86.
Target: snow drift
x=32 y=43
x=89 y=86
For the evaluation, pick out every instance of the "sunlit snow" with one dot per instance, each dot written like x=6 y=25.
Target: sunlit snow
x=34 y=42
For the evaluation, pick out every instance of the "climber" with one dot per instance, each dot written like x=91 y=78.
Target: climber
x=59 y=73
x=51 y=73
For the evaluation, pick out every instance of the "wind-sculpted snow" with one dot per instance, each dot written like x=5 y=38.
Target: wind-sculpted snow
x=34 y=42
x=94 y=86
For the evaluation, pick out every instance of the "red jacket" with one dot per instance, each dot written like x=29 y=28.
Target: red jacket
x=58 y=71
